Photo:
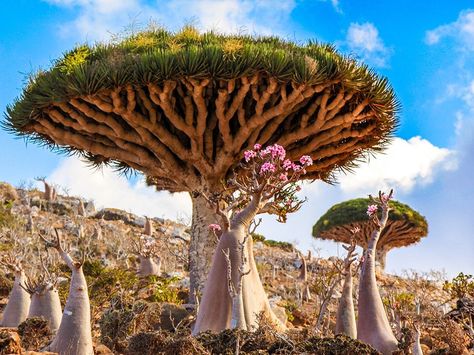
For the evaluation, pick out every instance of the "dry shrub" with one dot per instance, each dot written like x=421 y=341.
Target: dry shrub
x=35 y=333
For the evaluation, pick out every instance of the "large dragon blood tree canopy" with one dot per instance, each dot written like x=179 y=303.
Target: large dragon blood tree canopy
x=181 y=107
x=404 y=227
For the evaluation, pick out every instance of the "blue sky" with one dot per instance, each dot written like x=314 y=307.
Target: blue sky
x=425 y=48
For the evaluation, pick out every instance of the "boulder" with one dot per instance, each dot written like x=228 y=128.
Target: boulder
x=114 y=214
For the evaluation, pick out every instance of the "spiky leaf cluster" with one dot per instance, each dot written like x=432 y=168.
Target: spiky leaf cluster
x=404 y=226
x=158 y=101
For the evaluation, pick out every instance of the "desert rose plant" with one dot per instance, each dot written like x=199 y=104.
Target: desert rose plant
x=18 y=304
x=372 y=324
x=74 y=335
x=266 y=183
x=146 y=248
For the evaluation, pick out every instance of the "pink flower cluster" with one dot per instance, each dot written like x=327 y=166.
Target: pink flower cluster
x=276 y=151
x=215 y=227
x=306 y=160
x=249 y=155
x=267 y=168
x=385 y=198
x=371 y=210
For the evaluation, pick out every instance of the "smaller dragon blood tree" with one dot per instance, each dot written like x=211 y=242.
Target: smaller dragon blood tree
x=18 y=304
x=372 y=324
x=266 y=182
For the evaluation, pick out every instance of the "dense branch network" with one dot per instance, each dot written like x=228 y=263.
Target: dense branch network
x=186 y=132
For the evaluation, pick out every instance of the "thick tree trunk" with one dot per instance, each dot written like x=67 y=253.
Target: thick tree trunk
x=372 y=324
x=18 y=304
x=215 y=310
x=416 y=345
x=74 y=335
x=148 y=266
x=202 y=245
x=380 y=258
x=345 y=319
x=47 y=305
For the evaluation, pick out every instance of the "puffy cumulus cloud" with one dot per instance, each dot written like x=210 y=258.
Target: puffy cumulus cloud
x=461 y=30
x=364 y=40
x=109 y=189
x=405 y=164
x=97 y=19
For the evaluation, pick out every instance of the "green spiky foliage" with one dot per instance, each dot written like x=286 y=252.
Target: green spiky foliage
x=180 y=107
x=404 y=226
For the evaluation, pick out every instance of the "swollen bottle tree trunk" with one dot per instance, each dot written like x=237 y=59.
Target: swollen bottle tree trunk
x=148 y=266
x=18 y=304
x=217 y=309
x=416 y=344
x=46 y=304
x=303 y=278
x=372 y=324
x=74 y=336
x=345 y=317
x=268 y=186
x=202 y=245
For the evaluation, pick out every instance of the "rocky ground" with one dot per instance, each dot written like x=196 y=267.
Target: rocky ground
x=150 y=315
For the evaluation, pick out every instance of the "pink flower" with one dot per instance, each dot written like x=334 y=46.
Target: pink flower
x=249 y=154
x=306 y=160
x=284 y=177
x=296 y=167
x=267 y=168
x=215 y=227
x=287 y=164
x=371 y=210
x=257 y=147
x=277 y=151
x=385 y=197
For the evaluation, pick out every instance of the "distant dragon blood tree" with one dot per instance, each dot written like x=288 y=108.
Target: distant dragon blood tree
x=182 y=107
x=405 y=226
x=266 y=182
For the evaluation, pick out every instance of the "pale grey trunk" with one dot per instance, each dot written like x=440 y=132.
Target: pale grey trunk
x=416 y=345
x=202 y=245
x=238 y=313
x=18 y=304
x=148 y=229
x=47 y=305
x=325 y=305
x=215 y=309
x=74 y=336
x=148 y=266
x=345 y=319
x=372 y=324
x=380 y=260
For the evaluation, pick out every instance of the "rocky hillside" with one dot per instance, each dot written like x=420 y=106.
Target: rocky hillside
x=130 y=313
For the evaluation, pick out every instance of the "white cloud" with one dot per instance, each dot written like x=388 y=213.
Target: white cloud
x=461 y=30
x=405 y=164
x=108 y=189
x=97 y=19
x=364 y=40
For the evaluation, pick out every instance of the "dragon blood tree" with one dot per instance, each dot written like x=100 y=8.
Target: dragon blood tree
x=405 y=226
x=266 y=182
x=182 y=107
x=372 y=323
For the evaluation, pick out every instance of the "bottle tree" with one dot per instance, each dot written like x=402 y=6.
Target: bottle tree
x=182 y=107
x=266 y=182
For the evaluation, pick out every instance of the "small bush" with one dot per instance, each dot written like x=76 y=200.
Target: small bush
x=35 y=333
x=276 y=244
x=163 y=291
